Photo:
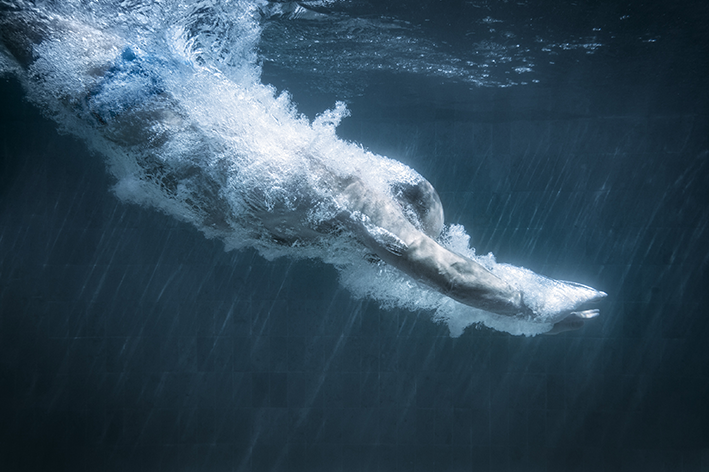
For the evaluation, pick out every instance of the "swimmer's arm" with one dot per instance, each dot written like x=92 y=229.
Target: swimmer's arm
x=425 y=260
x=455 y=276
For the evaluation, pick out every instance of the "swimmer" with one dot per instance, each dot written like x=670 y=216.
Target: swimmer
x=400 y=225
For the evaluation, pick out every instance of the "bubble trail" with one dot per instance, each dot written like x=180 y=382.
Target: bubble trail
x=170 y=94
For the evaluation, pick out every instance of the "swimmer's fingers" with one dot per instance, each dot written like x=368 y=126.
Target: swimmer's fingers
x=586 y=314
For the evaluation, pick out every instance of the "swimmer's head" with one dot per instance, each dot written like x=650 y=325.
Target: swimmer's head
x=422 y=206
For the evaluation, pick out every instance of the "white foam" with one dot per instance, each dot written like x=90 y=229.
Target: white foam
x=187 y=128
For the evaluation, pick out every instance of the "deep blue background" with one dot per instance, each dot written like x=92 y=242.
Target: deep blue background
x=130 y=342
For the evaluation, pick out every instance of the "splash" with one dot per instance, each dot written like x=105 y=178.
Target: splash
x=170 y=93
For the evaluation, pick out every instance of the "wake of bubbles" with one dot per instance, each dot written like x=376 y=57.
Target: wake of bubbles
x=170 y=94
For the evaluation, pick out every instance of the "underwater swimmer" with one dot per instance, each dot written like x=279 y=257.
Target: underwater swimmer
x=400 y=226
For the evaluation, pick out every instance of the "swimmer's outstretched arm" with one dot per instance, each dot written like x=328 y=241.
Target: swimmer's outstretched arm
x=381 y=225
x=457 y=277
x=421 y=257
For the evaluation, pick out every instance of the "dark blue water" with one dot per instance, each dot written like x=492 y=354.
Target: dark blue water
x=570 y=139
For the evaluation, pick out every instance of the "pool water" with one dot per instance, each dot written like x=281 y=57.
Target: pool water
x=569 y=139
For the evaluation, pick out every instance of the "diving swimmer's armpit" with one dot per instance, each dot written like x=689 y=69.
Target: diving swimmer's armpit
x=226 y=155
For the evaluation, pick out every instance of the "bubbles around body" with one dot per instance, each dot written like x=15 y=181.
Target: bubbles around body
x=170 y=95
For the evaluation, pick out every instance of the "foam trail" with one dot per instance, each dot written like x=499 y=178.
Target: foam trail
x=169 y=92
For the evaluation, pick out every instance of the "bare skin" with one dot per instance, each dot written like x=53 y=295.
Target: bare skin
x=422 y=258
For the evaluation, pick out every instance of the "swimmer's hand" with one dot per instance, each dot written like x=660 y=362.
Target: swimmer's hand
x=565 y=304
x=574 y=321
